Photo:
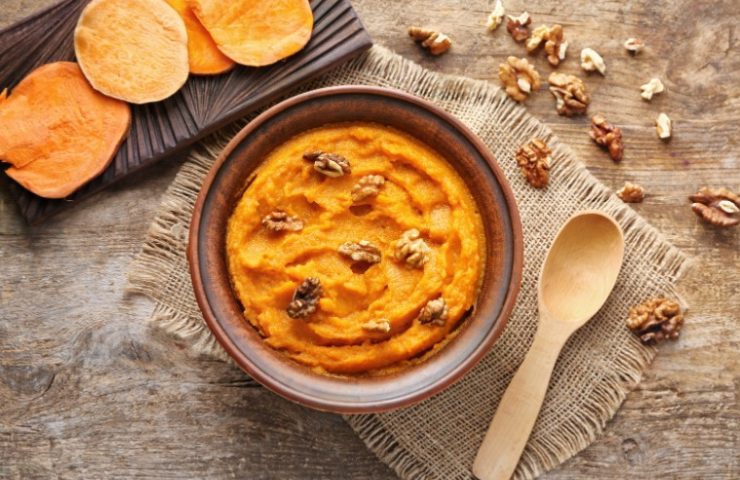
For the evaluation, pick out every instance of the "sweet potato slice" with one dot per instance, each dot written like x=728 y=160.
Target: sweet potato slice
x=133 y=50
x=57 y=132
x=205 y=57
x=256 y=32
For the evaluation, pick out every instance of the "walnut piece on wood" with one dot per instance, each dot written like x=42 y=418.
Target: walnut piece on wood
x=329 y=164
x=570 y=94
x=607 y=136
x=435 y=312
x=496 y=16
x=631 y=193
x=651 y=88
x=368 y=186
x=362 y=251
x=591 y=61
x=718 y=206
x=634 y=45
x=655 y=320
x=519 y=78
x=412 y=249
x=518 y=27
x=663 y=126
x=536 y=38
x=533 y=159
x=305 y=298
x=436 y=42
x=382 y=325
x=280 y=221
x=556 y=46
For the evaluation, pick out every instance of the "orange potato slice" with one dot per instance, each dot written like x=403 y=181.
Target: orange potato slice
x=133 y=50
x=57 y=132
x=205 y=57
x=256 y=32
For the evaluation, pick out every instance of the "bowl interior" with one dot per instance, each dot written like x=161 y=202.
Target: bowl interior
x=228 y=180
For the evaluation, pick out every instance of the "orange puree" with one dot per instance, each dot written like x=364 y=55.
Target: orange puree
x=421 y=191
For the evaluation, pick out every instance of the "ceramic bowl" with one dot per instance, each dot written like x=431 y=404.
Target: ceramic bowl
x=225 y=184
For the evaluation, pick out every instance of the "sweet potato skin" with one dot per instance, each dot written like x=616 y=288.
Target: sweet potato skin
x=205 y=57
x=57 y=132
x=256 y=32
x=133 y=50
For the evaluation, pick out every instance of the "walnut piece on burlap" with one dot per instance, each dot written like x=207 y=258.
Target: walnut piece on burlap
x=438 y=438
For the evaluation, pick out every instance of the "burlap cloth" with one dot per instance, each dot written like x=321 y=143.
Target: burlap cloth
x=438 y=438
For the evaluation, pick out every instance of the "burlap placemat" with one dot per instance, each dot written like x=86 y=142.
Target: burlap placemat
x=438 y=438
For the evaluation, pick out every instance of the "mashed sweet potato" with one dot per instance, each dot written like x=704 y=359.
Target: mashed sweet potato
x=347 y=334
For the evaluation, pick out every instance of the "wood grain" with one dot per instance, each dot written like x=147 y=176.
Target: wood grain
x=201 y=106
x=88 y=391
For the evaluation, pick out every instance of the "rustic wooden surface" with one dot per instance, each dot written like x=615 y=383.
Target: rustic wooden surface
x=87 y=390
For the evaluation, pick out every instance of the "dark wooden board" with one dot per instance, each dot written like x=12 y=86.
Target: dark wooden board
x=202 y=106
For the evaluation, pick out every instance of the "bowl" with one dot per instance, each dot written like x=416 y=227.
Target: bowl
x=227 y=181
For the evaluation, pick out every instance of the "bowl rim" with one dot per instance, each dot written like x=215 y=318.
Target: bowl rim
x=441 y=383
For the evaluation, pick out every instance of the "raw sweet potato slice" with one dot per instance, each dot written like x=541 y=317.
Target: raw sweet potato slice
x=256 y=32
x=57 y=132
x=133 y=50
x=205 y=57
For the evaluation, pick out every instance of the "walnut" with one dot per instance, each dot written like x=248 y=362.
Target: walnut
x=555 y=47
x=608 y=136
x=519 y=78
x=436 y=42
x=663 y=126
x=435 y=312
x=368 y=186
x=305 y=298
x=536 y=38
x=631 y=193
x=381 y=325
x=518 y=27
x=592 y=61
x=634 y=45
x=329 y=164
x=362 y=251
x=570 y=94
x=651 y=88
x=496 y=16
x=280 y=221
x=534 y=160
x=412 y=249
x=718 y=206
x=655 y=320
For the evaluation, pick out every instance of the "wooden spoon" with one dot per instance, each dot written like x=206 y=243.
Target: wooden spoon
x=579 y=272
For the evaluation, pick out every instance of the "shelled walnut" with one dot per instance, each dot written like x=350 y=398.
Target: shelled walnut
x=305 y=299
x=634 y=45
x=651 y=88
x=663 y=126
x=362 y=251
x=412 y=249
x=280 y=221
x=329 y=164
x=533 y=159
x=718 y=206
x=518 y=27
x=607 y=136
x=556 y=46
x=591 y=61
x=570 y=94
x=436 y=42
x=519 y=78
x=631 y=193
x=655 y=320
x=435 y=312
x=382 y=325
x=496 y=16
x=368 y=186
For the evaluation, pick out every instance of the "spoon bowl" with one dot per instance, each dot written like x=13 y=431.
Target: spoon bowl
x=577 y=276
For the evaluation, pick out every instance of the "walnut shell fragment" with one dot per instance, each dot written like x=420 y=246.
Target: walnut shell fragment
x=533 y=159
x=607 y=136
x=519 y=78
x=435 y=312
x=280 y=221
x=305 y=299
x=718 y=206
x=570 y=94
x=132 y=50
x=329 y=164
x=436 y=42
x=655 y=320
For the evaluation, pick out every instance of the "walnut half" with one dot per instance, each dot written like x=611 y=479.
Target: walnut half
x=436 y=42
x=280 y=221
x=518 y=27
x=570 y=94
x=607 y=136
x=412 y=249
x=519 y=78
x=305 y=299
x=362 y=251
x=329 y=164
x=655 y=320
x=435 y=312
x=718 y=206
x=533 y=159
x=368 y=186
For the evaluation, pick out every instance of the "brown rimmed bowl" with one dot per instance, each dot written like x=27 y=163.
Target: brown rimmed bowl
x=227 y=181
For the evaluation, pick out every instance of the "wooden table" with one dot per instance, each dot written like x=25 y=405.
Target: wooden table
x=87 y=390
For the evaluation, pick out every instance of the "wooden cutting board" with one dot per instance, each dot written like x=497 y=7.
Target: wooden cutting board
x=202 y=106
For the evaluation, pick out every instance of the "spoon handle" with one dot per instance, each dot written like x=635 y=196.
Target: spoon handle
x=509 y=431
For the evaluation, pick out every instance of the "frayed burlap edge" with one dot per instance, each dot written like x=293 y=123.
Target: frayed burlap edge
x=166 y=239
